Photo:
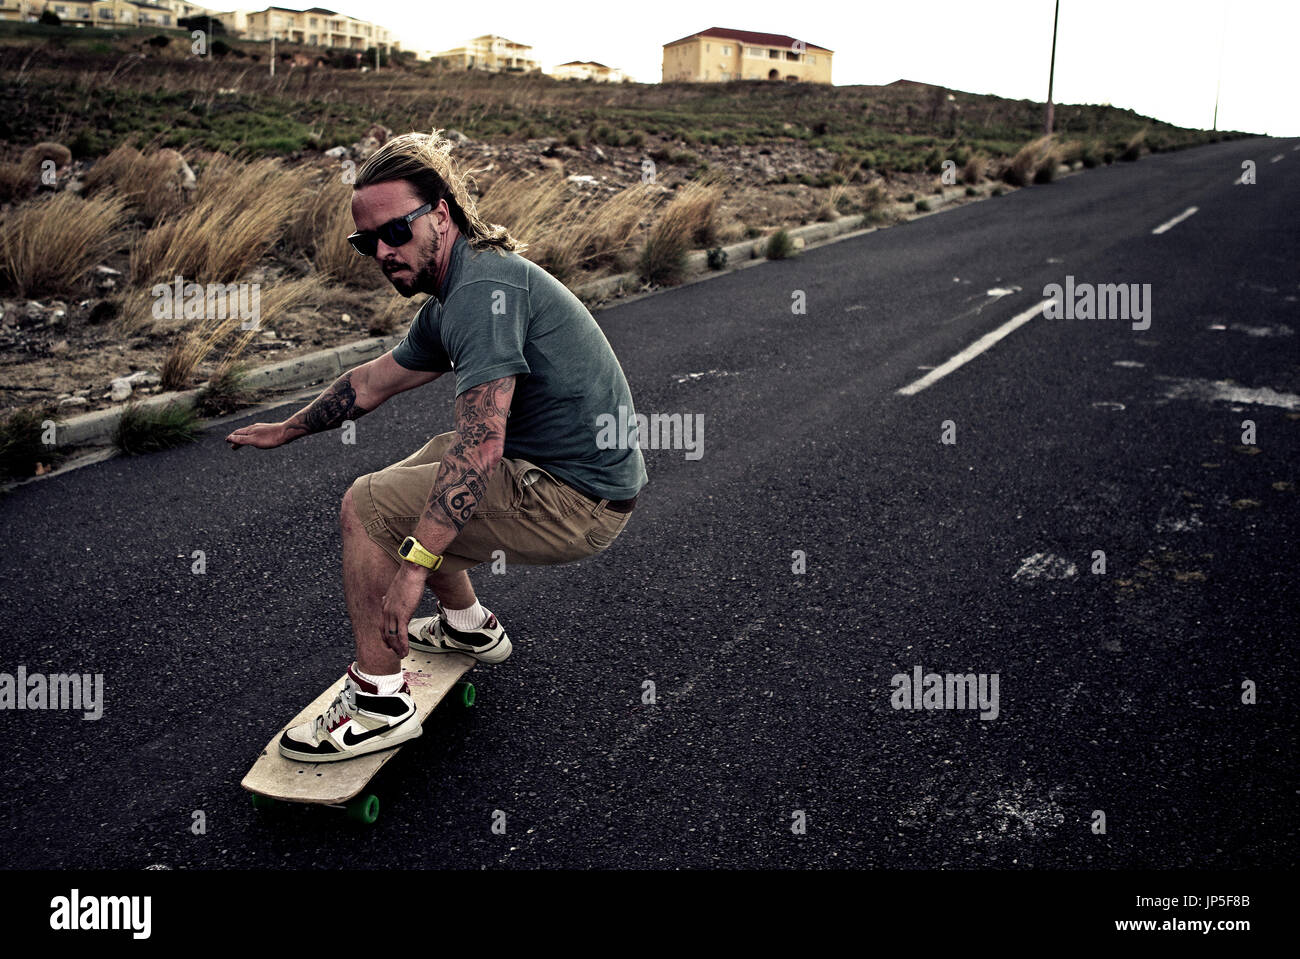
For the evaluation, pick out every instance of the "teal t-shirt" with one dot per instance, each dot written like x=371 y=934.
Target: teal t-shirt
x=498 y=316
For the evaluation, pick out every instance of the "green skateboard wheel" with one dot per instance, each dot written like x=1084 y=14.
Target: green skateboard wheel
x=263 y=802
x=364 y=808
x=467 y=694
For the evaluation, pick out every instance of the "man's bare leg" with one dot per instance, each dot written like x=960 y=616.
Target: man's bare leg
x=453 y=590
x=367 y=573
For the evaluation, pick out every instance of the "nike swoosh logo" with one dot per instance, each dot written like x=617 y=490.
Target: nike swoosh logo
x=350 y=740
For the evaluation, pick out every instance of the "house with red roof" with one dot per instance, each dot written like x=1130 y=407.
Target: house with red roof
x=719 y=55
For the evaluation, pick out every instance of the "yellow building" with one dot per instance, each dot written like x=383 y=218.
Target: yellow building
x=316 y=27
x=97 y=13
x=718 y=55
x=588 y=70
x=489 y=52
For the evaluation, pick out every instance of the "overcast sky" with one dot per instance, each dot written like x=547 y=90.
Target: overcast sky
x=1158 y=57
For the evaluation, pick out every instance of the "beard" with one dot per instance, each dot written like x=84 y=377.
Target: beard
x=426 y=279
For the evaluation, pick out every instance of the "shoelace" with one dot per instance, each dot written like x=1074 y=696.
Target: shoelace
x=344 y=703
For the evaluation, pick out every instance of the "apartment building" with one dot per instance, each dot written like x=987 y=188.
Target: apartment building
x=588 y=70
x=315 y=27
x=489 y=52
x=719 y=55
x=99 y=13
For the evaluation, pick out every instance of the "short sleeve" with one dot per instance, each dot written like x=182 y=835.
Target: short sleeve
x=421 y=349
x=484 y=328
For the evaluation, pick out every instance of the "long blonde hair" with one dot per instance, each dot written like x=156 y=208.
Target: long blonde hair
x=424 y=161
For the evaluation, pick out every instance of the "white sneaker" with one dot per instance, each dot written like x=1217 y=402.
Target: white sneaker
x=433 y=634
x=359 y=721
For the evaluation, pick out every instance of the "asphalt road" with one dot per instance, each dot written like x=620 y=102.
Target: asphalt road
x=1119 y=692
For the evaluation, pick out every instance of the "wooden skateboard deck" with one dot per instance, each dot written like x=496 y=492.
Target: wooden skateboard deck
x=273 y=777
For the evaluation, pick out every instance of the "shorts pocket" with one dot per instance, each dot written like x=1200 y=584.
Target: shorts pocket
x=600 y=537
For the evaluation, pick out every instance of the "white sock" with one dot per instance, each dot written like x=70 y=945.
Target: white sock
x=467 y=619
x=387 y=684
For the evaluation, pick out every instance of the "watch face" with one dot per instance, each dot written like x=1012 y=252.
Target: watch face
x=405 y=549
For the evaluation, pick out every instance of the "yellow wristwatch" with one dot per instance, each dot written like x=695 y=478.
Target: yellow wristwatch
x=412 y=551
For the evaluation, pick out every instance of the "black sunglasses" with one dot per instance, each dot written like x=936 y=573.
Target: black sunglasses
x=393 y=233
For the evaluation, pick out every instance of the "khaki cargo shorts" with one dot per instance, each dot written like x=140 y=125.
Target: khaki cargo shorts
x=527 y=514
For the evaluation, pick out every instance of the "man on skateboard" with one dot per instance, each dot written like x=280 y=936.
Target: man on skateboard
x=539 y=488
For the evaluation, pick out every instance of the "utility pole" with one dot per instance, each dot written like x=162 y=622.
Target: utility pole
x=1051 y=71
x=1219 y=83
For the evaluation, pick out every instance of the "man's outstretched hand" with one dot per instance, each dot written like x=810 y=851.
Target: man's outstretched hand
x=264 y=436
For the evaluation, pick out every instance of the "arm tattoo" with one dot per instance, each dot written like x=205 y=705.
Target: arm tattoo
x=337 y=404
x=468 y=463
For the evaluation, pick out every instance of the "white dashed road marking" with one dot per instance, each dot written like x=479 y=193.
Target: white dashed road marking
x=974 y=350
x=1170 y=224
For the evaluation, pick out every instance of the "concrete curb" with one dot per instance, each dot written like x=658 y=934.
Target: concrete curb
x=97 y=428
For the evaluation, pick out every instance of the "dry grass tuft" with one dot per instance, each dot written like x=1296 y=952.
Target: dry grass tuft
x=324 y=230
x=1133 y=149
x=1033 y=158
x=239 y=213
x=150 y=183
x=195 y=345
x=567 y=233
x=686 y=221
x=48 y=244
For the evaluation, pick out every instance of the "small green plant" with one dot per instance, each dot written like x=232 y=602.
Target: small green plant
x=922 y=206
x=971 y=191
x=222 y=394
x=780 y=246
x=149 y=429
x=907 y=198
x=717 y=258
x=21 y=447
x=997 y=191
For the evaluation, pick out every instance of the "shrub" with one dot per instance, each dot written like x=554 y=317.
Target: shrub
x=717 y=258
x=780 y=246
x=922 y=206
x=148 y=429
x=224 y=392
x=20 y=443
